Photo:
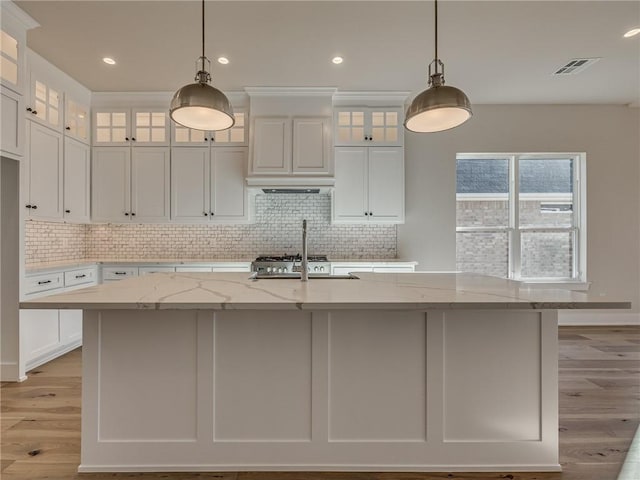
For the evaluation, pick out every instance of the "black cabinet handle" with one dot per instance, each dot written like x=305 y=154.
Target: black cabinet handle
x=44 y=282
x=67 y=128
x=34 y=112
x=119 y=273
x=29 y=109
x=81 y=276
x=67 y=211
x=211 y=213
x=126 y=138
x=133 y=138
x=206 y=139
x=35 y=207
x=28 y=206
x=126 y=213
x=205 y=213
x=371 y=214
x=133 y=214
x=366 y=213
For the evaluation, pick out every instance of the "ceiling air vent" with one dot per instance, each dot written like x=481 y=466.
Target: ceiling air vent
x=576 y=65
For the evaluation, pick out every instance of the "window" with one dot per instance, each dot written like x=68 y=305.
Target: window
x=521 y=216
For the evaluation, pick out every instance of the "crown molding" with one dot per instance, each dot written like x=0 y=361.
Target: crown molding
x=370 y=98
x=290 y=91
x=17 y=15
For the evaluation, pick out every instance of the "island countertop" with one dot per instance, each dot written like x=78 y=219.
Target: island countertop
x=403 y=291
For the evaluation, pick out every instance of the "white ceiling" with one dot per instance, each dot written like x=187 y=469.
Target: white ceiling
x=498 y=52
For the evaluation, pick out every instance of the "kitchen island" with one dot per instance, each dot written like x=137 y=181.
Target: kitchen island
x=405 y=372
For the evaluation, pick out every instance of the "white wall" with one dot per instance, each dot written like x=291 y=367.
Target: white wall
x=9 y=285
x=608 y=134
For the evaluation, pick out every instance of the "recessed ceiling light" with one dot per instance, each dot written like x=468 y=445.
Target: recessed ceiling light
x=223 y=60
x=632 y=33
x=337 y=60
x=109 y=61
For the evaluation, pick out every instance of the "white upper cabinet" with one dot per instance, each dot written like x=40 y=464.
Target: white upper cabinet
x=12 y=131
x=234 y=136
x=298 y=146
x=76 y=119
x=10 y=62
x=44 y=103
x=77 y=180
x=43 y=194
x=208 y=185
x=368 y=126
x=311 y=146
x=130 y=185
x=134 y=127
x=369 y=185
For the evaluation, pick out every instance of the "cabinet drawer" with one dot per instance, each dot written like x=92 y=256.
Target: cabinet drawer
x=118 y=273
x=193 y=269
x=44 y=282
x=149 y=270
x=78 y=277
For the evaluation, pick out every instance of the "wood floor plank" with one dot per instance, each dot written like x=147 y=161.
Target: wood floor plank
x=599 y=413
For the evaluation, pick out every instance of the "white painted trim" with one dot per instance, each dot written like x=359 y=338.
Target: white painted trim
x=319 y=468
x=290 y=91
x=18 y=15
x=146 y=99
x=36 y=362
x=572 y=318
x=370 y=98
x=10 y=372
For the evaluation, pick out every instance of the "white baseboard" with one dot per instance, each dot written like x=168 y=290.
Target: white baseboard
x=47 y=357
x=10 y=372
x=591 y=318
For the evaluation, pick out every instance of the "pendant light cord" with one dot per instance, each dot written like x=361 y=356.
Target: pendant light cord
x=202 y=34
x=436 y=30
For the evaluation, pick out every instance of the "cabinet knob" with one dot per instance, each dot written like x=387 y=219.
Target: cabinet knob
x=126 y=213
x=133 y=214
x=126 y=138
x=34 y=207
x=133 y=139
x=211 y=213
x=67 y=211
x=205 y=213
x=67 y=128
x=206 y=139
x=29 y=109
x=28 y=206
x=371 y=214
x=34 y=112
x=366 y=213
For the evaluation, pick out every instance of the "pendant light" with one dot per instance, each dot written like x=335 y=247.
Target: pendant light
x=199 y=105
x=439 y=107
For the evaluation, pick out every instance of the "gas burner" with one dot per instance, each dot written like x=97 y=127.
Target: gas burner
x=275 y=264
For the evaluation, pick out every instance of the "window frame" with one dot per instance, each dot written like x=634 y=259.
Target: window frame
x=578 y=230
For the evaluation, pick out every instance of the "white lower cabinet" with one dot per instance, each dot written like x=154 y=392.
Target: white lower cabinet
x=149 y=270
x=208 y=184
x=339 y=268
x=47 y=334
x=369 y=185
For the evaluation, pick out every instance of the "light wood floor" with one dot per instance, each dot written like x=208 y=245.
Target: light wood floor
x=599 y=413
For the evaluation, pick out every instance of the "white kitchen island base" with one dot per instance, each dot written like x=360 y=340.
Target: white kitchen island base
x=344 y=389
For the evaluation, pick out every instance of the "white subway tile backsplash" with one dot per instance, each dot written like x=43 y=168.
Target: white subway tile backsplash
x=277 y=229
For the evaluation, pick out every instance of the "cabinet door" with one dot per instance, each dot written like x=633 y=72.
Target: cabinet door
x=150 y=126
x=76 y=120
x=271 y=152
x=10 y=61
x=111 y=184
x=39 y=333
x=350 y=126
x=76 y=181
x=12 y=131
x=350 y=194
x=111 y=127
x=311 y=146
x=386 y=184
x=384 y=126
x=45 y=172
x=45 y=102
x=228 y=194
x=190 y=184
x=70 y=326
x=150 y=170
x=188 y=137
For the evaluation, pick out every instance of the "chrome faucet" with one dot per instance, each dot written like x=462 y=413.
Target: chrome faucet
x=304 y=274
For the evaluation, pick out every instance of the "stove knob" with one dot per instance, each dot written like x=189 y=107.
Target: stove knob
x=315 y=269
x=279 y=269
x=322 y=269
x=284 y=269
x=268 y=269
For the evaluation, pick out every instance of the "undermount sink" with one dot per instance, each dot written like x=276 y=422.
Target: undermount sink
x=296 y=276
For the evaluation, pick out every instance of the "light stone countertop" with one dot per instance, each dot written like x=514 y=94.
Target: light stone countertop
x=404 y=291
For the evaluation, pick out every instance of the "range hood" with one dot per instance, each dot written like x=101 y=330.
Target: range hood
x=303 y=185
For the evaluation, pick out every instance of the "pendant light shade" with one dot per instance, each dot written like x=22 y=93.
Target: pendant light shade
x=199 y=105
x=439 y=107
